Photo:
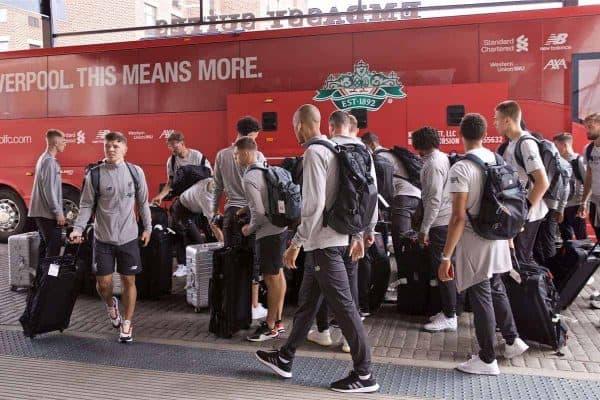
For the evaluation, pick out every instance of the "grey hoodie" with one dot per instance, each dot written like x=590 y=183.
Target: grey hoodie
x=437 y=205
x=46 y=195
x=319 y=178
x=115 y=221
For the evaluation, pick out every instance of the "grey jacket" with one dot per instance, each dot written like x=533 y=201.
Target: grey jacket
x=437 y=205
x=46 y=195
x=255 y=187
x=115 y=221
x=319 y=178
x=228 y=178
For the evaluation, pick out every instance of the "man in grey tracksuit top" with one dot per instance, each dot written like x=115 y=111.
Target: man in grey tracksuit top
x=228 y=179
x=121 y=186
x=339 y=132
x=325 y=274
x=46 y=205
x=437 y=209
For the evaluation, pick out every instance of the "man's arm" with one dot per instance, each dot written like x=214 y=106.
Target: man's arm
x=375 y=216
x=433 y=185
x=256 y=206
x=86 y=205
x=142 y=201
x=52 y=186
x=587 y=192
x=534 y=166
x=218 y=180
x=167 y=187
x=540 y=185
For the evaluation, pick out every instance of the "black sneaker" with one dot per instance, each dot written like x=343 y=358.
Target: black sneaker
x=272 y=360
x=333 y=323
x=353 y=384
x=262 y=333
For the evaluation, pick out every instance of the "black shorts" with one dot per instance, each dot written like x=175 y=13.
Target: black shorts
x=127 y=257
x=269 y=253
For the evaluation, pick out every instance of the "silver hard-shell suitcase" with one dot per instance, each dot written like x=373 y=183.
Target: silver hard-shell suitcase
x=199 y=259
x=23 y=258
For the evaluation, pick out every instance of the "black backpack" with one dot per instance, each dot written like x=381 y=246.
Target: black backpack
x=384 y=169
x=576 y=171
x=285 y=199
x=558 y=175
x=94 y=172
x=503 y=211
x=412 y=163
x=187 y=175
x=356 y=195
x=294 y=166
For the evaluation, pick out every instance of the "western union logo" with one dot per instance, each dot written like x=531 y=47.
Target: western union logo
x=361 y=88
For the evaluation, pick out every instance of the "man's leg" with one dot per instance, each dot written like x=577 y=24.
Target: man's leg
x=502 y=311
x=128 y=296
x=403 y=208
x=332 y=275
x=181 y=242
x=104 y=264
x=567 y=227
x=129 y=263
x=593 y=211
x=231 y=229
x=480 y=296
x=545 y=242
x=52 y=235
x=309 y=300
x=323 y=317
x=525 y=241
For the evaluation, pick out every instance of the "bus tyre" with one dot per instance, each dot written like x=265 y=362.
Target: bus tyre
x=13 y=214
x=70 y=203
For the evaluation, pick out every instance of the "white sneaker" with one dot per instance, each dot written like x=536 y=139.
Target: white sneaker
x=322 y=338
x=113 y=313
x=436 y=316
x=478 y=367
x=259 y=312
x=345 y=345
x=181 y=271
x=518 y=347
x=441 y=324
x=590 y=281
x=126 y=332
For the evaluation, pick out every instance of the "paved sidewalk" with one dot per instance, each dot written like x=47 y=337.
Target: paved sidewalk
x=394 y=338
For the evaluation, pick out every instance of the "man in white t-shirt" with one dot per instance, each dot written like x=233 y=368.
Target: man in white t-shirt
x=479 y=262
x=531 y=170
x=591 y=192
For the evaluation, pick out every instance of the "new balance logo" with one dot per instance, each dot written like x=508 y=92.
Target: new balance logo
x=80 y=137
x=556 y=64
x=556 y=39
x=522 y=44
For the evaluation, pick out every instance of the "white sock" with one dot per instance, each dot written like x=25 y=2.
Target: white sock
x=364 y=377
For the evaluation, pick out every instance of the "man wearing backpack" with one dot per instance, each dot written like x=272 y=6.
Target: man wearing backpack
x=184 y=224
x=532 y=174
x=325 y=274
x=46 y=205
x=572 y=225
x=228 y=179
x=437 y=209
x=120 y=186
x=339 y=133
x=270 y=239
x=478 y=261
x=591 y=194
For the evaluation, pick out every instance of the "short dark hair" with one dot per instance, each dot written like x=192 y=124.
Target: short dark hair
x=563 y=137
x=473 y=126
x=176 y=136
x=339 y=119
x=115 y=136
x=370 y=138
x=352 y=121
x=426 y=138
x=246 y=143
x=595 y=117
x=53 y=134
x=510 y=109
x=247 y=125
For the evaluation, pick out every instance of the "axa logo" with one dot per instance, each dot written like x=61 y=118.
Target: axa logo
x=361 y=88
x=556 y=39
x=522 y=44
x=80 y=137
x=556 y=64
x=166 y=133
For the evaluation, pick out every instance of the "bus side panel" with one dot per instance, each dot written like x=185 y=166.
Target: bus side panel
x=25 y=99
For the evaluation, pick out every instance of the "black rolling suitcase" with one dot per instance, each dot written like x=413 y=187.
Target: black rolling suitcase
x=230 y=291
x=573 y=265
x=414 y=290
x=86 y=278
x=373 y=276
x=534 y=303
x=51 y=299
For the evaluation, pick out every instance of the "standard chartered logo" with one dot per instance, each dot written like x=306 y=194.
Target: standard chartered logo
x=522 y=44
x=7 y=139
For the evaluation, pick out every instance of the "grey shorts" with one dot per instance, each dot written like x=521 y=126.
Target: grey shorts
x=126 y=257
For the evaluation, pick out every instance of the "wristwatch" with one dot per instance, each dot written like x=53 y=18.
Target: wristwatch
x=444 y=258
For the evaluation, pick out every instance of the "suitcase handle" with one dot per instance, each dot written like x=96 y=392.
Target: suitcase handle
x=593 y=248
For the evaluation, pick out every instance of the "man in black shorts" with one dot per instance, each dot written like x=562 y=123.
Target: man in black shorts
x=111 y=191
x=270 y=239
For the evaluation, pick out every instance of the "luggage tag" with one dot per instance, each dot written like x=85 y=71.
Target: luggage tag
x=281 y=206
x=516 y=276
x=53 y=270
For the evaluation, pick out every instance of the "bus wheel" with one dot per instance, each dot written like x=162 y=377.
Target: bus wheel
x=70 y=204
x=13 y=214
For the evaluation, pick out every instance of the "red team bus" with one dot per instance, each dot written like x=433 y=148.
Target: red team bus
x=394 y=76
